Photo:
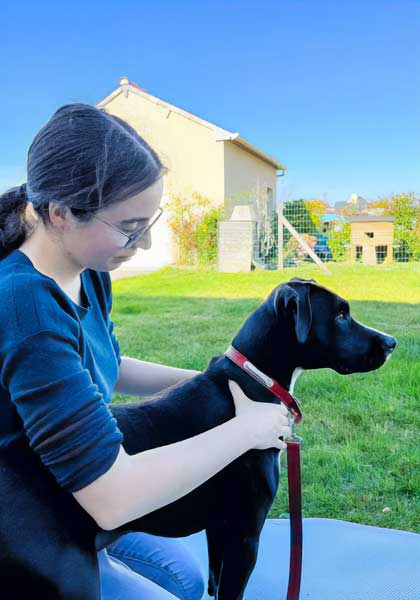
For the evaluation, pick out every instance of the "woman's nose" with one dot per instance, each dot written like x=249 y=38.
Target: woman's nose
x=145 y=242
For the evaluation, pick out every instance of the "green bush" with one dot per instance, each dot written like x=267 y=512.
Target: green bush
x=206 y=237
x=194 y=222
x=339 y=241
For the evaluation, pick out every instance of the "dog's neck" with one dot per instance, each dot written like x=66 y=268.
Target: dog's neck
x=268 y=383
x=270 y=344
x=298 y=371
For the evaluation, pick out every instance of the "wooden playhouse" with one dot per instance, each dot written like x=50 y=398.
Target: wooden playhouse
x=371 y=239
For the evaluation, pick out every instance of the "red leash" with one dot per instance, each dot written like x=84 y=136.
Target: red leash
x=293 y=468
x=295 y=512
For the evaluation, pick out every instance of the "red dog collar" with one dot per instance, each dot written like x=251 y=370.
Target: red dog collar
x=271 y=384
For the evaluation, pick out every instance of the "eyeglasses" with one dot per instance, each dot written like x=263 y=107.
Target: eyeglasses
x=136 y=235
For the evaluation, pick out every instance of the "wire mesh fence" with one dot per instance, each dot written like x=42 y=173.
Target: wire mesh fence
x=310 y=231
x=366 y=237
x=265 y=246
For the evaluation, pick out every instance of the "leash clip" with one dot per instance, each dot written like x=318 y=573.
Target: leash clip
x=293 y=437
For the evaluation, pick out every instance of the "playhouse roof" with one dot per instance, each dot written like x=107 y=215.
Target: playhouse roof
x=370 y=219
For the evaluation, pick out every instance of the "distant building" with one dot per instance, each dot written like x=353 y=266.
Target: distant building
x=355 y=202
x=371 y=239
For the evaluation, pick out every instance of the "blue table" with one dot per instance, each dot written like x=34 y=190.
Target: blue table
x=341 y=561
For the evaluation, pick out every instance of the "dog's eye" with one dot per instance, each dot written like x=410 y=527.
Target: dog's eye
x=341 y=315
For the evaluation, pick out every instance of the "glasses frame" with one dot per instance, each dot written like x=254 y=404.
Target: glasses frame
x=136 y=235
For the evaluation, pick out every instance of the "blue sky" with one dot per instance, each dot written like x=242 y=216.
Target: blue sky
x=331 y=89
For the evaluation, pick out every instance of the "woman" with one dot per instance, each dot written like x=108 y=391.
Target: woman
x=94 y=188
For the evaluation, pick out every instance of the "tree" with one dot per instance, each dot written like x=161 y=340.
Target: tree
x=405 y=208
x=383 y=205
x=339 y=240
x=299 y=216
x=316 y=209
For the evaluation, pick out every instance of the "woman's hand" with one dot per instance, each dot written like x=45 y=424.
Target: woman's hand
x=267 y=422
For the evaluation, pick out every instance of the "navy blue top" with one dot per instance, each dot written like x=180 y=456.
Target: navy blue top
x=58 y=367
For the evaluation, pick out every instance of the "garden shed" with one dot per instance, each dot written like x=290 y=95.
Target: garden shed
x=371 y=239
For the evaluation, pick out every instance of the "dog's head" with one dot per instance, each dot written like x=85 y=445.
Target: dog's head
x=326 y=334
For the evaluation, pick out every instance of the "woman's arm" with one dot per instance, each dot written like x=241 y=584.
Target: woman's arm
x=141 y=483
x=142 y=378
x=138 y=484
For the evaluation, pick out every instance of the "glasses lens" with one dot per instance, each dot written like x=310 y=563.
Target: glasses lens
x=137 y=235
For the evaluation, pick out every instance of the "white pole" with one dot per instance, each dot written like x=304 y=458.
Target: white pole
x=280 y=254
x=308 y=249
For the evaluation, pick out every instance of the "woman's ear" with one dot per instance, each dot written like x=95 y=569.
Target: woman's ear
x=61 y=216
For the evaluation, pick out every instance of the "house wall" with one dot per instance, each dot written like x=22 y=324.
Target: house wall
x=247 y=177
x=186 y=147
x=194 y=161
x=218 y=170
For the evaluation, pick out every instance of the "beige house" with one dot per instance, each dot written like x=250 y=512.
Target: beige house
x=201 y=157
x=371 y=239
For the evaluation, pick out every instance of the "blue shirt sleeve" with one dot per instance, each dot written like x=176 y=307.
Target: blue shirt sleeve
x=64 y=415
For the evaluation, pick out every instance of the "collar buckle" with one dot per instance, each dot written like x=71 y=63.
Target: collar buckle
x=295 y=412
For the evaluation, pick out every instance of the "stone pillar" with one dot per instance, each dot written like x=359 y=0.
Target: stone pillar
x=236 y=239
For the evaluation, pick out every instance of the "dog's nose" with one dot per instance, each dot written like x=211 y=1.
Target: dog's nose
x=389 y=343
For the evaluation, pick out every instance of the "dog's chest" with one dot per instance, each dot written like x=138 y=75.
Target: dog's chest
x=296 y=373
x=259 y=472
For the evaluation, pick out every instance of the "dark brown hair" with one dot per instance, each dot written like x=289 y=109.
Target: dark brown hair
x=84 y=158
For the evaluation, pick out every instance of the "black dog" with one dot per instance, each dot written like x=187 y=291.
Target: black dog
x=48 y=542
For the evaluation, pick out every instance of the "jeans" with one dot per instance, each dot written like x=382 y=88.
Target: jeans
x=140 y=566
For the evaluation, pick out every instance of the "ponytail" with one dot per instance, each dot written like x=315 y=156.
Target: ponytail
x=13 y=226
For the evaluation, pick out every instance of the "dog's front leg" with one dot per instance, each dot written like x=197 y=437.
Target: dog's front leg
x=215 y=545
x=239 y=558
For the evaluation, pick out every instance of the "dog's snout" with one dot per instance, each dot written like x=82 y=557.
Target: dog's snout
x=389 y=343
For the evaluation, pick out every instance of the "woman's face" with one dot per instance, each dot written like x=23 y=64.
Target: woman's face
x=96 y=245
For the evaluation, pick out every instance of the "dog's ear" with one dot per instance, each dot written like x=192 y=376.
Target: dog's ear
x=300 y=280
x=296 y=299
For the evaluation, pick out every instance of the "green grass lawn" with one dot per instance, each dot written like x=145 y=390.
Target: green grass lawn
x=361 y=456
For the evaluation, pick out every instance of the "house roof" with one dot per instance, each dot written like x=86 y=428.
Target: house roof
x=327 y=217
x=354 y=199
x=370 y=219
x=221 y=135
